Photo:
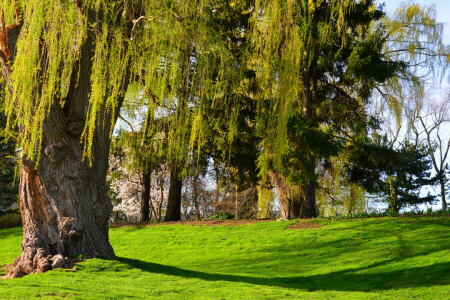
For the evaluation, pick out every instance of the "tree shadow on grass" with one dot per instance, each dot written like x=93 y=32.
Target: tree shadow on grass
x=8 y=232
x=346 y=280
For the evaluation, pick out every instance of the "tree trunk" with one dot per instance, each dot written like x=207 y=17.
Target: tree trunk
x=289 y=200
x=282 y=199
x=308 y=204
x=173 y=212
x=217 y=190
x=443 y=201
x=295 y=203
x=308 y=191
x=145 y=199
x=308 y=194
x=195 y=196
x=236 y=204
x=63 y=201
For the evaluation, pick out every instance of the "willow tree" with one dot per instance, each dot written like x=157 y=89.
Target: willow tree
x=68 y=65
x=317 y=61
x=415 y=36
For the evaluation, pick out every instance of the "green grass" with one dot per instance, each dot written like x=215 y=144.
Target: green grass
x=379 y=258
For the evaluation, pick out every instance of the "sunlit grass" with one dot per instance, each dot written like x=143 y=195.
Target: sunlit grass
x=360 y=258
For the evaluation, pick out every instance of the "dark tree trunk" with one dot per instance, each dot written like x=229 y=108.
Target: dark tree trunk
x=295 y=204
x=308 y=204
x=351 y=209
x=308 y=190
x=308 y=194
x=63 y=200
x=145 y=200
x=173 y=212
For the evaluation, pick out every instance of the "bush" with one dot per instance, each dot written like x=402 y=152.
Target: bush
x=222 y=216
x=388 y=213
x=10 y=219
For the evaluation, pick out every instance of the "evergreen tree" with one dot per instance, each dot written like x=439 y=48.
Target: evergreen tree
x=317 y=62
x=396 y=175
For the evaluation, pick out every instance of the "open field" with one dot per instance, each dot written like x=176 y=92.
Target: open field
x=377 y=258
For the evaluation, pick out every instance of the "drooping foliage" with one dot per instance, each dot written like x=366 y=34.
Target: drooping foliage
x=337 y=196
x=414 y=36
x=174 y=57
x=312 y=61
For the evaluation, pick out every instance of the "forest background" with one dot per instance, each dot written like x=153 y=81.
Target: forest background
x=395 y=124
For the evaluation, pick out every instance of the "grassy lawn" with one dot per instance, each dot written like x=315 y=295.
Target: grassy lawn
x=379 y=258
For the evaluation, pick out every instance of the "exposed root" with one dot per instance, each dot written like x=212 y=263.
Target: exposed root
x=38 y=260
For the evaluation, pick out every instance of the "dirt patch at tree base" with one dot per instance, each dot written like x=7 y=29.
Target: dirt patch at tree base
x=211 y=223
x=304 y=225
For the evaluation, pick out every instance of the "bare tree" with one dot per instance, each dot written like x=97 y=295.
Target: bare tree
x=434 y=125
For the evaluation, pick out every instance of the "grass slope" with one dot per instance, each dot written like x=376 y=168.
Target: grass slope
x=379 y=258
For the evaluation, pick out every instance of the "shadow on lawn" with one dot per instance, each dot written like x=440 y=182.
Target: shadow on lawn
x=345 y=280
x=7 y=232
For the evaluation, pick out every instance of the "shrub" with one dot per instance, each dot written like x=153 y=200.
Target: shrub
x=10 y=219
x=388 y=213
x=222 y=216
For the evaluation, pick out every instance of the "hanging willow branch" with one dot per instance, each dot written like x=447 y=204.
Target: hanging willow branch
x=130 y=42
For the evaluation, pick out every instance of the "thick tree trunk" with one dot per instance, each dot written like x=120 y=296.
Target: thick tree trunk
x=63 y=201
x=145 y=199
x=308 y=194
x=308 y=204
x=282 y=199
x=443 y=201
x=173 y=212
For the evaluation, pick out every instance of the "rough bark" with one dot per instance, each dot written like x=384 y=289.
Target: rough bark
x=173 y=212
x=145 y=200
x=63 y=200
